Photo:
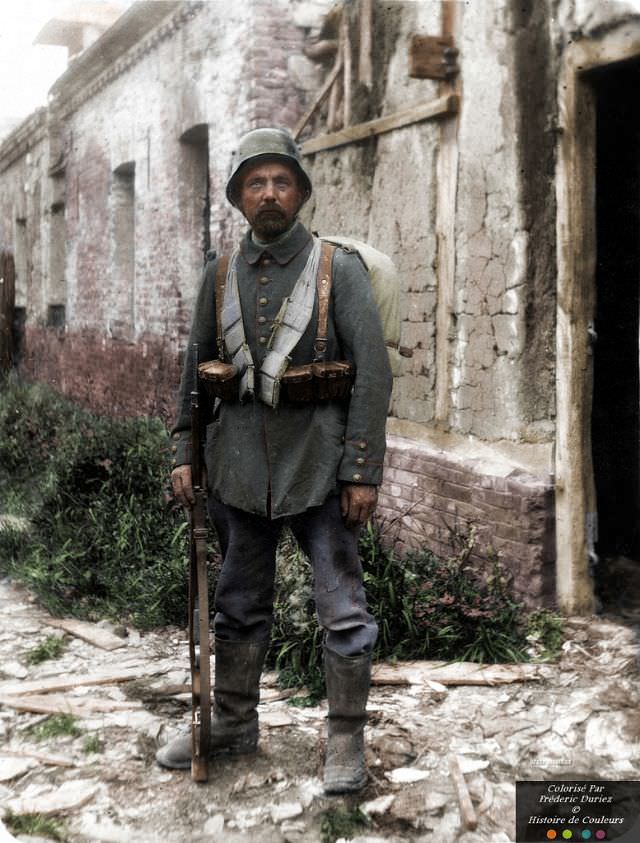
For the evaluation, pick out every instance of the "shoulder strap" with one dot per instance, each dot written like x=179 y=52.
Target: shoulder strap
x=221 y=279
x=323 y=286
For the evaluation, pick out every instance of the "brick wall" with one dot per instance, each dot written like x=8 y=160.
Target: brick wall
x=429 y=496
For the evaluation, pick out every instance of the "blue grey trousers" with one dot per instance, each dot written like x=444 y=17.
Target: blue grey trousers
x=245 y=590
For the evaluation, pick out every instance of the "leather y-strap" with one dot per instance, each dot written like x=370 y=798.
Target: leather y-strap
x=323 y=286
x=221 y=280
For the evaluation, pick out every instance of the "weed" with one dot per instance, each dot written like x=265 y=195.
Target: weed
x=544 y=634
x=51 y=648
x=92 y=745
x=58 y=725
x=342 y=822
x=103 y=541
x=36 y=825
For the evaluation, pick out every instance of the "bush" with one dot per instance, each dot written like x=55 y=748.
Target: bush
x=103 y=541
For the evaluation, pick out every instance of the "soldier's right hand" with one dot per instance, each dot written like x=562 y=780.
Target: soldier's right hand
x=182 y=485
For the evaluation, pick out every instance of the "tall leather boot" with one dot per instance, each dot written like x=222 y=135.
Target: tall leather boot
x=348 y=681
x=236 y=692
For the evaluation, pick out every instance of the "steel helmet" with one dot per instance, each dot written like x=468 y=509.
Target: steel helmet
x=265 y=143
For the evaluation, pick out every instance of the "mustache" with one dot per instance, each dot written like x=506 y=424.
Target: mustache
x=269 y=210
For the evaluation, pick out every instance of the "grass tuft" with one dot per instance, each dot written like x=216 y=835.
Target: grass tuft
x=51 y=648
x=36 y=825
x=56 y=726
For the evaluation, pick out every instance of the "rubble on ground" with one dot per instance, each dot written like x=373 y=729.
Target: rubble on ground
x=445 y=743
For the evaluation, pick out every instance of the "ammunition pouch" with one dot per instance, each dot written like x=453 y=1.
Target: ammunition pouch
x=220 y=379
x=329 y=380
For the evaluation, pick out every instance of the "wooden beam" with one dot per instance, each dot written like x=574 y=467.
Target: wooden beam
x=322 y=95
x=441 y=107
x=365 y=65
x=347 y=67
x=467 y=811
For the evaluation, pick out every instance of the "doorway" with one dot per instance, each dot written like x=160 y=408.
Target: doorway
x=616 y=376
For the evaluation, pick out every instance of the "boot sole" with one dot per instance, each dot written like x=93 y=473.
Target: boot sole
x=345 y=785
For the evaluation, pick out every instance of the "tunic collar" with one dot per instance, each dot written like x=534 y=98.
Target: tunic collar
x=282 y=251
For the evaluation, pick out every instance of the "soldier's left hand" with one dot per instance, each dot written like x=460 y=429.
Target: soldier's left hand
x=357 y=503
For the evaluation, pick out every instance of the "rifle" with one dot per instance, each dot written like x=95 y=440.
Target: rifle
x=198 y=598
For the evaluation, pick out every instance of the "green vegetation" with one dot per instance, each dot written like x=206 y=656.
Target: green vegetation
x=56 y=726
x=51 y=648
x=105 y=542
x=36 y=825
x=92 y=745
x=342 y=822
x=544 y=635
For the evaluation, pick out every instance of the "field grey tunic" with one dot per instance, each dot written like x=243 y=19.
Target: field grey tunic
x=281 y=461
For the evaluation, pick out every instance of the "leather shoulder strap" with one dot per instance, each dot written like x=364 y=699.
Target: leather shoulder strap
x=221 y=280
x=323 y=286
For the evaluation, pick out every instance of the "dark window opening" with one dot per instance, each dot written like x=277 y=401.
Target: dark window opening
x=56 y=316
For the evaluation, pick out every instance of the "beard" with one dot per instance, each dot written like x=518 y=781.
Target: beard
x=270 y=224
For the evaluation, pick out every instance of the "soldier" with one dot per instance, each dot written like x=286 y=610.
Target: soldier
x=314 y=465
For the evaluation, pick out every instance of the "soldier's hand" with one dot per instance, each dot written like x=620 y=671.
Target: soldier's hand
x=357 y=503
x=182 y=485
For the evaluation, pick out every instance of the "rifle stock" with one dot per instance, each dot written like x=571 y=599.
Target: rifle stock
x=199 y=655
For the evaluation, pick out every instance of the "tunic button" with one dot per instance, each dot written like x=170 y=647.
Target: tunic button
x=174 y=449
x=357 y=477
x=266 y=261
x=360 y=460
x=174 y=462
x=262 y=340
x=263 y=300
x=176 y=436
x=263 y=279
x=262 y=319
x=362 y=446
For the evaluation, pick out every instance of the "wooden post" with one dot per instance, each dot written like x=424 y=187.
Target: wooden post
x=365 y=67
x=347 y=68
x=334 y=95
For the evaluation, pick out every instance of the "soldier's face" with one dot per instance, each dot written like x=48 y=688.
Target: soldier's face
x=270 y=197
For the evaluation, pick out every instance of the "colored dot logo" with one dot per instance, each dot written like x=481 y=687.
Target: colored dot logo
x=601 y=834
x=567 y=834
x=586 y=834
x=551 y=834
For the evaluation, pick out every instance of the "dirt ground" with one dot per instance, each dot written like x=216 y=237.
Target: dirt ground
x=578 y=718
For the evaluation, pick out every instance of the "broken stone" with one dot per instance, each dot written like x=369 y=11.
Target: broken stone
x=68 y=797
x=394 y=751
x=378 y=806
x=608 y=735
x=13 y=768
x=14 y=670
x=286 y=811
x=214 y=825
x=274 y=719
x=407 y=775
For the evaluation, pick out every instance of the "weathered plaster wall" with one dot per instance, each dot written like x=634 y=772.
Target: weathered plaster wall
x=383 y=191
x=502 y=352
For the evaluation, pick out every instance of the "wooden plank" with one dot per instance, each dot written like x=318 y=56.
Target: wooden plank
x=65 y=682
x=322 y=95
x=88 y=632
x=454 y=673
x=58 y=704
x=441 y=107
x=47 y=760
x=467 y=811
x=365 y=65
x=432 y=57
x=347 y=66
